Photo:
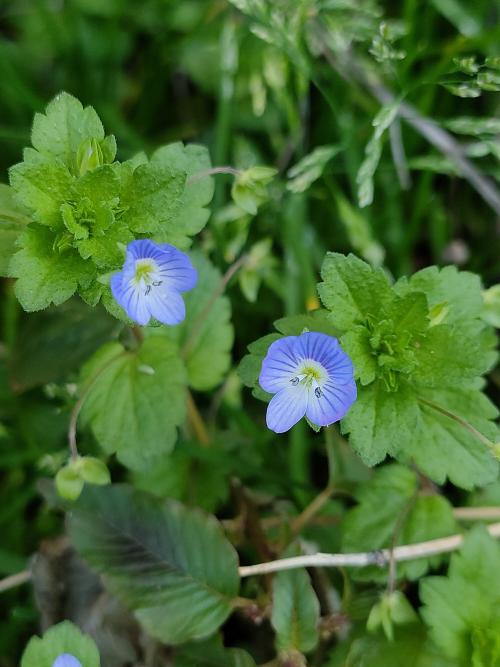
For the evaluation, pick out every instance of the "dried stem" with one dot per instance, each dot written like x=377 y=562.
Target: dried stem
x=381 y=558
x=308 y=513
x=211 y=172
x=14 y=580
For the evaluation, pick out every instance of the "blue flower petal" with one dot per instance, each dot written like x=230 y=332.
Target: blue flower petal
x=66 y=660
x=286 y=408
x=331 y=403
x=327 y=351
x=176 y=269
x=279 y=365
x=166 y=307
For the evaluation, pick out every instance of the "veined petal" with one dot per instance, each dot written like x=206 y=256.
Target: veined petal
x=331 y=402
x=175 y=268
x=326 y=350
x=166 y=306
x=286 y=408
x=279 y=365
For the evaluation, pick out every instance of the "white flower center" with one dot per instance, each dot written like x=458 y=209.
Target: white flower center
x=311 y=374
x=146 y=275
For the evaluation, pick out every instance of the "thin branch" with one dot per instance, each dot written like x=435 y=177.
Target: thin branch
x=476 y=513
x=14 y=580
x=197 y=422
x=198 y=323
x=308 y=513
x=381 y=558
x=211 y=172
x=77 y=408
x=348 y=69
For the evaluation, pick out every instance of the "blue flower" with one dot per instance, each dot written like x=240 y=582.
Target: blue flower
x=309 y=375
x=151 y=280
x=66 y=660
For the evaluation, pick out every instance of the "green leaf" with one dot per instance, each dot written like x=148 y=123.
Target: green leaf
x=172 y=565
x=442 y=448
x=13 y=219
x=474 y=126
x=382 y=121
x=491 y=307
x=295 y=611
x=352 y=290
x=46 y=276
x=193 y=213
x=53 y=343
x=211 y=653
x=41 y=186
x=133 y=412
x=151 y=199
x=379 y=422
x=69 y=484
x=462 y=609
x=59 y=639
x=65 y=125
x=359 y=230
x=207 y=333
x=392 y=510
x=303 y=174
x=410 y=647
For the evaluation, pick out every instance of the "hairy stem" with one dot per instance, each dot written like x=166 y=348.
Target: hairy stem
x=211 y=172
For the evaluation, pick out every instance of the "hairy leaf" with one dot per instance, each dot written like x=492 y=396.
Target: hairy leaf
x=58 y=640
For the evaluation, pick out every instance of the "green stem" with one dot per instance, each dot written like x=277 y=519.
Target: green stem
x=468 y=427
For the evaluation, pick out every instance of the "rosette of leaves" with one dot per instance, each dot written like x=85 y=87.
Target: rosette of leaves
x=84 y=206
x=420 y=348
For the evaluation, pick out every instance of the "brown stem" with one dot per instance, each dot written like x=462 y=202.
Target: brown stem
x=14 y=580
x=308 y=513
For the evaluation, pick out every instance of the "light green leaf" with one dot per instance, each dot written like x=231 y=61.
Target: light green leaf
x=206 y=335
x=59 y=639
x=295 y=612
x=193 y=213
x=41 y=186
x=44 y=275
x=13 y=220
x=359 y=230
x=474 y=126
x=352 y=290
x=461 y=608
x=380 y=422
x=65 y=125
x=491 y=306
x=211 y=653
x=132 y=412
x=311 y=167
x=373 y=151
x=172 y=565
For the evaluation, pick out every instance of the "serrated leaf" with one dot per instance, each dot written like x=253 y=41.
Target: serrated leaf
x=391 y=510
x=207 y=333
x=352 y=290
x=13 y=220
x=45 y=276
x=460 y=608
x=193 y=213
x=133 y=413
x=41 y=186
x=172 y=565
x=295 y=611
x=66 y=123
x=443 y=448
x=211 y=653
x=58 y=640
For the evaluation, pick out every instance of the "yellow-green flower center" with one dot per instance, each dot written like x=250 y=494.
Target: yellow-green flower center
x=144 y=268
